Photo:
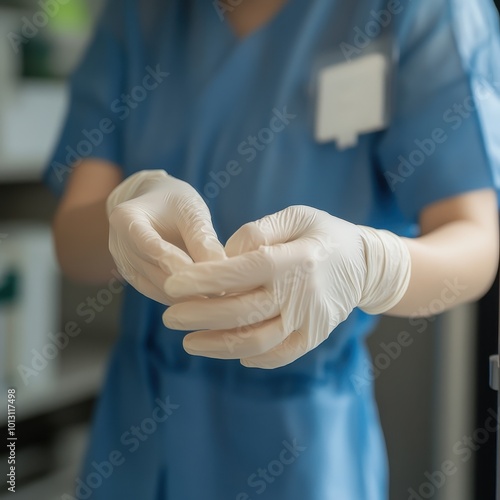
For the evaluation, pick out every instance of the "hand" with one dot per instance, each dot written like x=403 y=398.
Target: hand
x=158 y=225
x=290 y=279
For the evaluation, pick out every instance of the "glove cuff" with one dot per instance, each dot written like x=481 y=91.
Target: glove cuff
x=134 y=186
x=388 y=263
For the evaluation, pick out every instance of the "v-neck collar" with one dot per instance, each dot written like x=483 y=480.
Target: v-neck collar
x=273 y=23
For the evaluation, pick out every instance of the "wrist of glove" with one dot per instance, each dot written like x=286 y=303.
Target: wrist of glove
x=388 y=270
x=290 y=279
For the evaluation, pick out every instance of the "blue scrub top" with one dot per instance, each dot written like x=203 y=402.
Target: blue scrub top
x=165 y=84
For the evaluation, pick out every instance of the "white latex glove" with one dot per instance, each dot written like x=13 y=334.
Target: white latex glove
x=291 y=278
x=158 y=225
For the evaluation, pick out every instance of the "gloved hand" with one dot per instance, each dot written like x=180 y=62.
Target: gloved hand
x=290 y=279
x=157 y=226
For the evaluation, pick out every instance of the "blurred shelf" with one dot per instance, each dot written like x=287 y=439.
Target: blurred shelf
x=29 y=128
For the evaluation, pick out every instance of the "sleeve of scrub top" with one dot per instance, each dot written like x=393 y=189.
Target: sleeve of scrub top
x=444 y=137
x=91 y=129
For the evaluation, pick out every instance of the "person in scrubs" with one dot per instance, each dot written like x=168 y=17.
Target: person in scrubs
x=279 y=173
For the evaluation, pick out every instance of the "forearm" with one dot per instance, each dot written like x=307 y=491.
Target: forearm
x=81 y=238
x=453 y=264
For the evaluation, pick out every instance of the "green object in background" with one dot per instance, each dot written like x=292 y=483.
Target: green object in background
x=9 y=288
x=52 y=53
x=73 y=17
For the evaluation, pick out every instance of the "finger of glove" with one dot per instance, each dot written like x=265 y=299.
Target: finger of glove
x=154 y=274
x=293 y=347
x=145 y=274
x=157 y=277
x=231 y=311
x=316 y=324
x=197 y=231
x=236 y=343
x=235 y=275
x=145 y=286
x=281 y=227
x=150 y=246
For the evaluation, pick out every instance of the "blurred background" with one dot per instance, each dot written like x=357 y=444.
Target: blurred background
x=432 y=394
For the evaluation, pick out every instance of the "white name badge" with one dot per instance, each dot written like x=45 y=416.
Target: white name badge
x=352 y=99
